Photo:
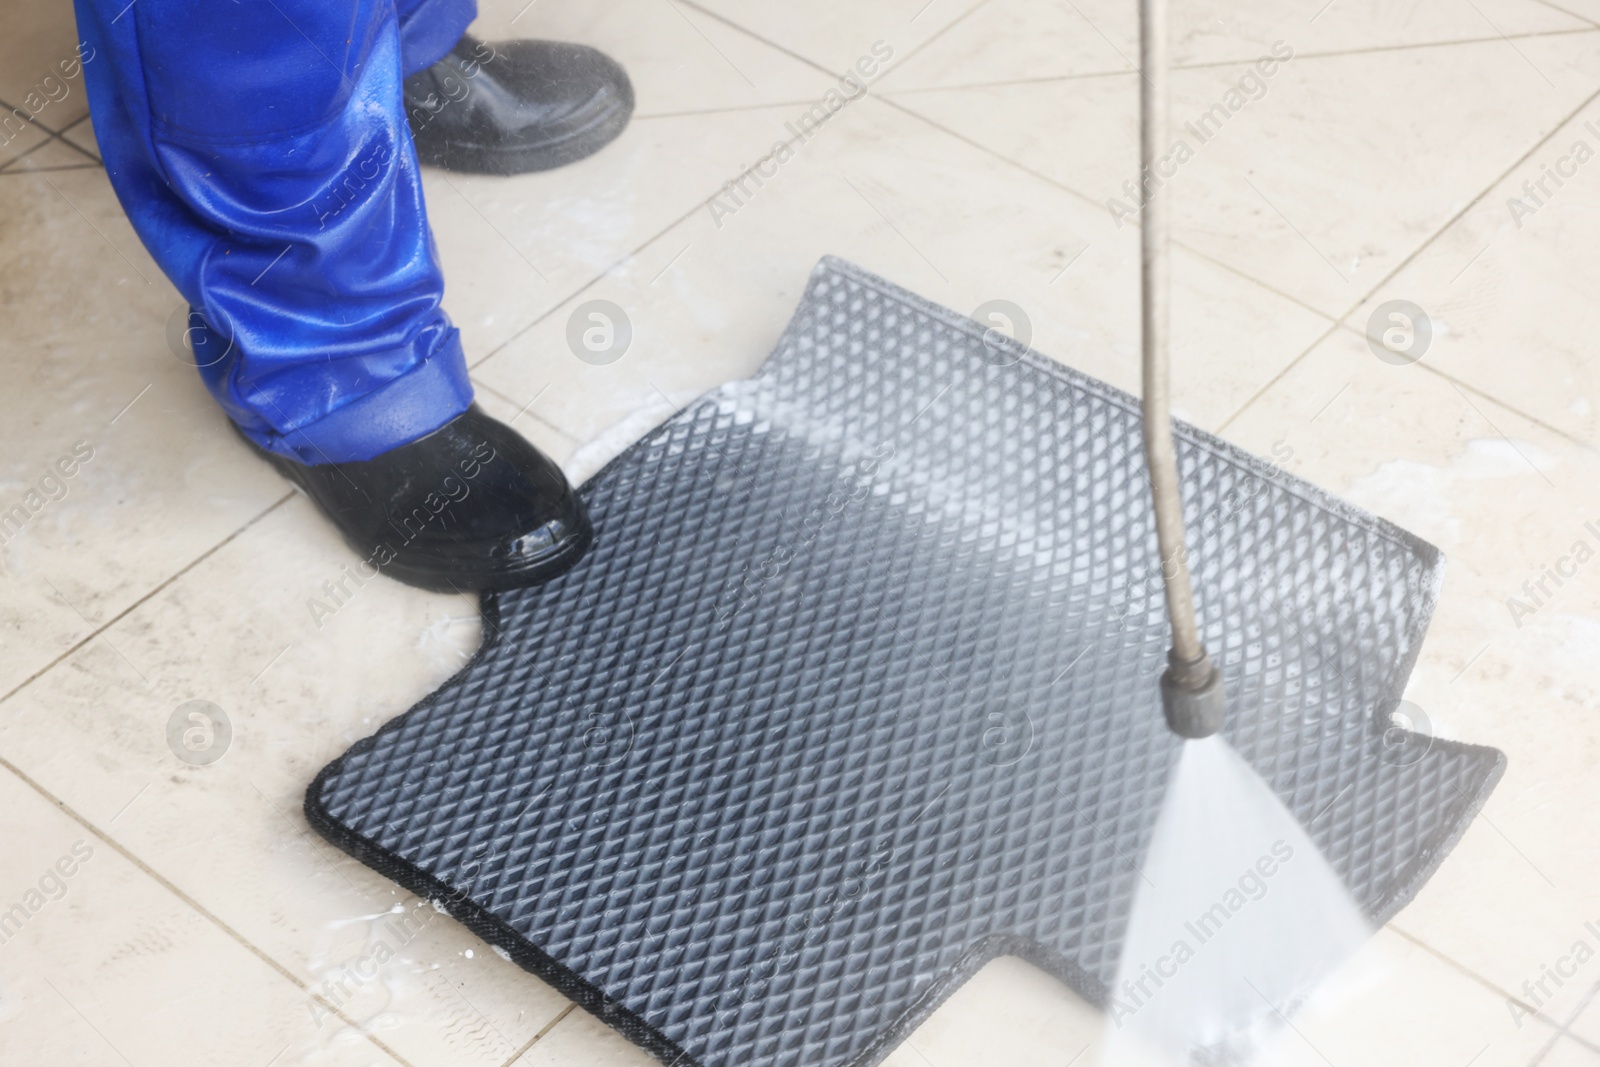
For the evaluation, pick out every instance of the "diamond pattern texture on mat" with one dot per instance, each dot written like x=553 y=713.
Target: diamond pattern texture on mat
x=858 y=688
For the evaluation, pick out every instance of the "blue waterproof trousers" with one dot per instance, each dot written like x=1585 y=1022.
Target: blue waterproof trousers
x=261 y=150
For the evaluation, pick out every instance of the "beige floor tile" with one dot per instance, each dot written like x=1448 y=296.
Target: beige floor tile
x=1570 y=1053
x=1583 y=9
x=707 y=300
x=1587 y=1023
x=838 y=33
x=1009 y=1012
x=81 y=133
x=1393 y=1004
x=1509 y=287
x=1397 y=1003
x=679 y=59
x=1244 y=31
x=711 y=99
x=88 y=368
x=1363 y=158
x=580 y=1038
x=1304 y=188
x=1019 y=40
x=527 y=419
x=514 y=248
x=51 y=155
x=41 y=36
x=1413 y=447
x=18 y=141
x=302 y=670
x=101 y=964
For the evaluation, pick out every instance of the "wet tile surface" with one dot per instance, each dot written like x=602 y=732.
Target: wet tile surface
x=1404 y=153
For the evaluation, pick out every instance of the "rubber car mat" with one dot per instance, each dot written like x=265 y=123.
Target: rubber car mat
x=857 y=691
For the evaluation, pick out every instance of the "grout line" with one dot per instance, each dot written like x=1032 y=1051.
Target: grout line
x=824 y=68
x=593 y=280
x=647 y=242
x=1043 y=79
x=200 y=909
x=890 y=101
x=1570 y=14
x=1099 y=206
x=946 y=28
x=1443 y=228
x=731 y=109
x=1337 y=322
x=786 y=50
x=49 y=134
x=207 y=554
x=25 y=171
x=1565 y=1030
x=1231 y=269
x=608 y=270
x=1538 y=1057
x=1572 y=1017
x=6 y=167
x=669 y=227
x=1497 y=401
x=51 y=137
x=33 y=120
x=1282 y=373
x=62 y=137
x=536 y=1038
x=1561 y=1030
x=1475 y=976
x=534 y=415
x=1245 y=61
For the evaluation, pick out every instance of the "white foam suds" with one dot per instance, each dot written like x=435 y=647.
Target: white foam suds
x=1417 y=495
x=449 y=640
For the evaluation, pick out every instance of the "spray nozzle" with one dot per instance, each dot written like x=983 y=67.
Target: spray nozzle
x=1192 y=695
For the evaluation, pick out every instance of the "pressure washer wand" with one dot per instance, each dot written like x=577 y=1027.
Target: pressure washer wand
x=1191 y=687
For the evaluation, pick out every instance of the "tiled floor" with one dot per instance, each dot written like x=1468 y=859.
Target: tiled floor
x=203 y=923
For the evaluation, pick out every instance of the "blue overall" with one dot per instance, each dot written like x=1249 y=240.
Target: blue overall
x=261 y=150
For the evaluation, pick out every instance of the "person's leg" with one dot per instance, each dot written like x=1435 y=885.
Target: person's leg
x=262 y=154
x=429 y=29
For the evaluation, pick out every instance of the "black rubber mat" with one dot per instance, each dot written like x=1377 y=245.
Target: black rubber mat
x=857 y=690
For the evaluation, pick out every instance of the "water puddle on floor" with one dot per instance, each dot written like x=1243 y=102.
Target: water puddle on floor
x=1237 y=919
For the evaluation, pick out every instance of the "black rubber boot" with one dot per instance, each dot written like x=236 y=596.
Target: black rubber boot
x=471 y=506
x=516 y=106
